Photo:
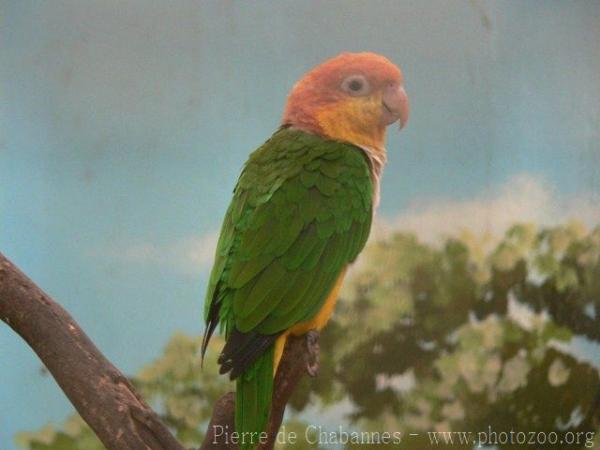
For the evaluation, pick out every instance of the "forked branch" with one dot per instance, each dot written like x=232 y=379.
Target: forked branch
x=100 y=393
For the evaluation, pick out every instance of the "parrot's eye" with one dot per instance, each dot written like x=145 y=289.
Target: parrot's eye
x=356 y=85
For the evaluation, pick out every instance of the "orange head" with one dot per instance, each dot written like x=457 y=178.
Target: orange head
x=352 y=97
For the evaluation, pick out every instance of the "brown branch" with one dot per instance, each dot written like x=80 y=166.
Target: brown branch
x=102 y=395
x=300 y=357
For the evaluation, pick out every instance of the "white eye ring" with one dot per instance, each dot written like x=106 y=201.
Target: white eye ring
x=356 y=85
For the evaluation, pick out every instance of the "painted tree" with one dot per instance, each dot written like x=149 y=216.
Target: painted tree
x=465 y=335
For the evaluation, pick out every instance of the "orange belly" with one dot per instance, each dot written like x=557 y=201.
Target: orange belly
x=316 y=323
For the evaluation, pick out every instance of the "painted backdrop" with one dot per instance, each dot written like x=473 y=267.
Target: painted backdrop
x=125 y=124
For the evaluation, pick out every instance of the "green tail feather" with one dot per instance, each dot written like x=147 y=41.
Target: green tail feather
x=254 y=390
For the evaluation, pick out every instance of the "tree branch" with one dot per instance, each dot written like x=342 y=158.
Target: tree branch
x=103 y=396
x=301 y=356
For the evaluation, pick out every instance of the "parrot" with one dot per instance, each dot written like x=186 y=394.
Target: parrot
x=301 y=213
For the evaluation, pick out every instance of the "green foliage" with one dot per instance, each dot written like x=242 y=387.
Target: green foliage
x=464 y=336
x=184 y=392
x=74 y=434
x=484 y=338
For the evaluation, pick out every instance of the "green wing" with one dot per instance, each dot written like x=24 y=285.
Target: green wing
x=301 y=211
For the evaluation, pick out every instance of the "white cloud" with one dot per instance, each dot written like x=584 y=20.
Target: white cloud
x=523 y=198
x=189 y=256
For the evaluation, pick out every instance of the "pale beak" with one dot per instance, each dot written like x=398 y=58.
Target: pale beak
x=395 y=105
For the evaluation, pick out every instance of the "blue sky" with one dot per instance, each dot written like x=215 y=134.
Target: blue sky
x=125 y=124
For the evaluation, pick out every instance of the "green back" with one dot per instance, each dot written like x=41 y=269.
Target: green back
x=301 y=211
